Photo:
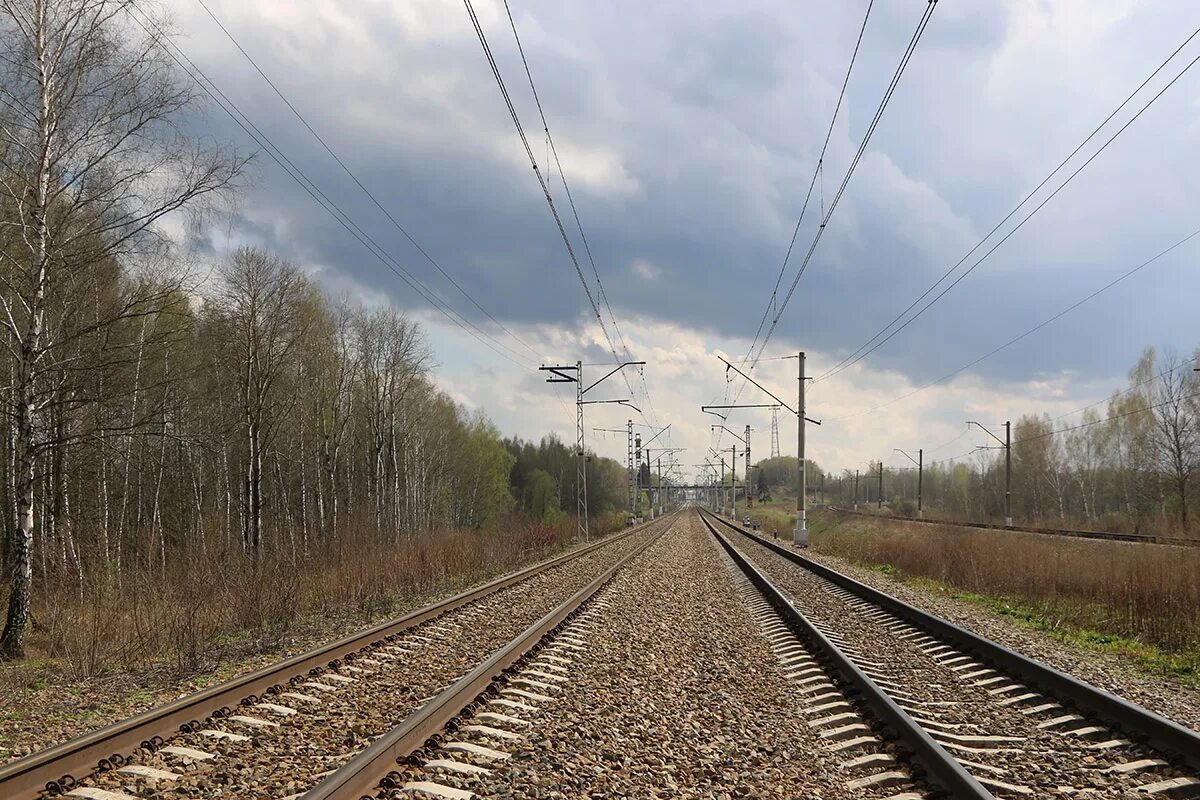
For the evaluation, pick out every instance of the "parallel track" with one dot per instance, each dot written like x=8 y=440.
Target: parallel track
x=59 y=769
x=1012 y=680
x=1109 y=536
x=942 y=769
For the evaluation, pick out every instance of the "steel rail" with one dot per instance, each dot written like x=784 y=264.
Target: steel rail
x=57 y=768
x=1110 y=536
x=1161 y=733
x=941 y=768
x=376 y=764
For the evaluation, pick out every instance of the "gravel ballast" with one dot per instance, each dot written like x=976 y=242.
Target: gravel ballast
x=675 y=691
x=1109 y=671
x=296 y=738
x=1006 y=734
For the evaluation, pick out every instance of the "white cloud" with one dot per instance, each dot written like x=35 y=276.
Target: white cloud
x=683 y=372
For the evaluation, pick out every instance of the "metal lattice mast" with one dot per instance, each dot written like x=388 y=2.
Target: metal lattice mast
x=581 y=510
x=573 y=373
x=775 y=433
x=749 y=463
x=637 y=486
x=629 y=466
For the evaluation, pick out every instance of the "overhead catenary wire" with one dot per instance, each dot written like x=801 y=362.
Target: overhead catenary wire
x=875 y=342
x=1109 y=418
x=1129 y=389
x=345 y=168
x=910 y=49
x=862 y=148
x=508 y=102
x=187 y=65
x=1058 y=431
x=817 y=170
x=553 y=151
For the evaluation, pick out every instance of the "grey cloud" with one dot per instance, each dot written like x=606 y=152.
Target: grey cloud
x=717 y=111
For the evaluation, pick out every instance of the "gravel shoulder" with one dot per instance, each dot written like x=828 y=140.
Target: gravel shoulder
x=1105 y=670
x=675 y=695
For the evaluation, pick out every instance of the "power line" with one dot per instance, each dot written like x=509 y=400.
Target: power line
x=1126 y=391
x=210 y=88
x=487 y=51
x=912 y=46
x=867 y=348
x=1109 y=418
x=1027 y=333
x=357 y=181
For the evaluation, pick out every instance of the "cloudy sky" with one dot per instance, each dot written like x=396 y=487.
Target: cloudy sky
x=689 y=134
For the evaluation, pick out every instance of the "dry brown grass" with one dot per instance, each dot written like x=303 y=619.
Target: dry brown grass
x=204 y=608
x=1149 y=593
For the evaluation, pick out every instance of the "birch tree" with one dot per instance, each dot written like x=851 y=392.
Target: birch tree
x=263 y=300
x=93 y=159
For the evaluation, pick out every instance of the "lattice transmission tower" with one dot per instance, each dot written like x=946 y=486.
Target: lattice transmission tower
x=774 y=433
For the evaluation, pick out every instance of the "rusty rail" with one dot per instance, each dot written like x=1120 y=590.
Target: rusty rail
x=1164 y=735
x=56 y=769
x=376 y=764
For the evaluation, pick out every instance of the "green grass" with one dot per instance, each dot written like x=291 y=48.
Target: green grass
x=1181 y=666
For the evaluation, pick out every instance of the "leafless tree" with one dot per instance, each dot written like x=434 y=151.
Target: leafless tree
x=1177 y=430
x=263 y=298
x=92 y=160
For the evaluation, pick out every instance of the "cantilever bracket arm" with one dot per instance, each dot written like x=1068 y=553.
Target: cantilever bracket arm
x=560 y=374
x=729 y=366
x=616 y=402
x=737 y=436
x=612 y=372
x=989 y=433
x=906 y=455
x=705 y=409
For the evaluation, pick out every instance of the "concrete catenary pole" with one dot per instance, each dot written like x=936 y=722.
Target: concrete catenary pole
x=733 y=483
x=1008 y=521
x=879 y=499
x=800 y=537
x=856 y=490
x=920 y=478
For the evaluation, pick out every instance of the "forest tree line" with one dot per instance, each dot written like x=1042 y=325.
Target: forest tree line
x=1128 y=464
x=156 y=408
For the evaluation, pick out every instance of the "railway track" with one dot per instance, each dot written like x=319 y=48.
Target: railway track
x=1015 y=726
x=238 y=738
x=1111 y=536
x=488 y=735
